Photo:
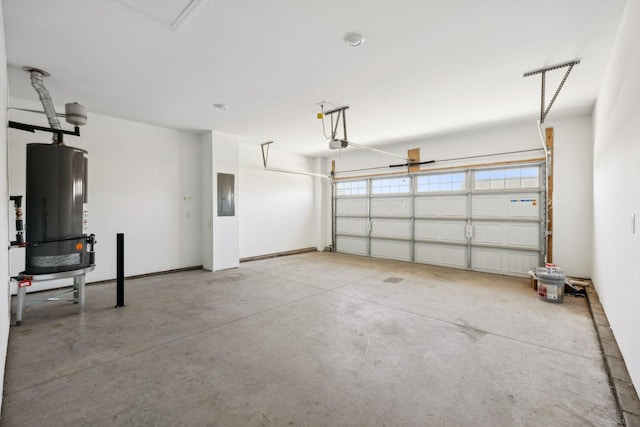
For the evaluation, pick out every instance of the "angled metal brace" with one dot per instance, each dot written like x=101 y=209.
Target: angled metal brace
x=265 y=153
x=544 y=111
x=341 y=113
x=265 y=158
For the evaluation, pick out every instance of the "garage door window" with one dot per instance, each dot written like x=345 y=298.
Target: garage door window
x=391 y=186
x=351 y=188
x=441 y=182
x=512 y=178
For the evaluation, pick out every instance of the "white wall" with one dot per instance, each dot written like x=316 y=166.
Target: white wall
x=573 y=195
x=572 y=181
x=5 y=297
x=277 y=212
x=226 y=245
x=322 y=204
x=144 y=181
x=206 y=192
x=158 y=186
x=616 y=193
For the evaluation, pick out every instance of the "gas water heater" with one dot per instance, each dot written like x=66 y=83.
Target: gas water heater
x=56 y=211
x=57 y=239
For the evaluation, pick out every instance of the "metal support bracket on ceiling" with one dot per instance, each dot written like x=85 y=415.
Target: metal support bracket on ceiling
x=32 y=128
x=340 y=112
x=548 y=147
x=265 y=153
x=337 y=143
x=544 y=110
x=265 y=159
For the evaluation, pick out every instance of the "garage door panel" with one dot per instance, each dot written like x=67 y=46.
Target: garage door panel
x=439 y=254
x=357 y=226
x=351 y=207
x=446 y=231
x=391 y=249
x=393 y=228
x=391 y=206
x=507 y=234
x=516 y=205
x=487 y=234
x=520 y=262
x=352 y=245
x=484 y=259
x=441 y=206
x=523 y=235
x=501 y=261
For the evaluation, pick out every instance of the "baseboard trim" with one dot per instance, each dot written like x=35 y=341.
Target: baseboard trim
x=279 y=254
x=141 y=276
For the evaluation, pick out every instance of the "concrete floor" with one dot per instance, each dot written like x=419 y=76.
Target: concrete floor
x=316 y=339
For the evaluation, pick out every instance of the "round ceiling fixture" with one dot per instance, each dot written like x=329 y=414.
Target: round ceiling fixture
x=221 y=106
x=353 y=39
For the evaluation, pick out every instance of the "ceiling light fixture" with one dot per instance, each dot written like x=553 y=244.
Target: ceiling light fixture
x=353 y=39
x=221 y=106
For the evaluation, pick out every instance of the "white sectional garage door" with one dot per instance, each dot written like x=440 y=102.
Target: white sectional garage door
x=489 y=219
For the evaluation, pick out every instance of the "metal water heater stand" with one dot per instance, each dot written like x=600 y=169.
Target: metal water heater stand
x=78 y=292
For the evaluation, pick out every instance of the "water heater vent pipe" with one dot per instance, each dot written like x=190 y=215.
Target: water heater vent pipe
x=37 y=81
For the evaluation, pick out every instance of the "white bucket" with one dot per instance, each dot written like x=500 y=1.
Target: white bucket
x=550 y=284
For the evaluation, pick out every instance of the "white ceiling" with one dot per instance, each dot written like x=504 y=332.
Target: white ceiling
x=169 y=13
x=427 y=67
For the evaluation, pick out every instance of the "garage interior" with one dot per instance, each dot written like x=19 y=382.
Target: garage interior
x=330 y=212
x=282 y=341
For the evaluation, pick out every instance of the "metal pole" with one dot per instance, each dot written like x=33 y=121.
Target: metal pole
x=386 y=153
x=22 y=297
x=79 y=290
x=120 y=270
